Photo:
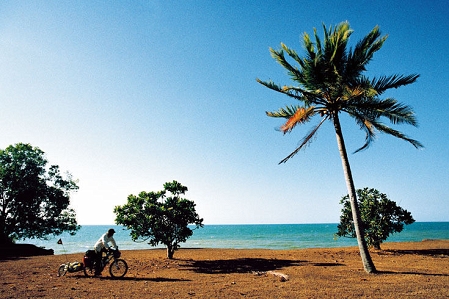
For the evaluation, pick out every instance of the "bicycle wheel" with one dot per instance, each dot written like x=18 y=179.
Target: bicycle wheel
x=89 y=271
x=118 y=268
x=62 y=270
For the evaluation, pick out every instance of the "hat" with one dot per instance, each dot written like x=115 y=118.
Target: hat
x=111 y=231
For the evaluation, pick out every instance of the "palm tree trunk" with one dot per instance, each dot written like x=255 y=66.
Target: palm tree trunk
x=358 y=225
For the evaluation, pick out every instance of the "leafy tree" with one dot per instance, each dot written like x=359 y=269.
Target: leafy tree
x=330 y=81
x=380 y=217
x=159 y=218
x=34 y=199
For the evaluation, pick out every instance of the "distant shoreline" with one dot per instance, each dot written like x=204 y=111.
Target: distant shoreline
x=280 y=236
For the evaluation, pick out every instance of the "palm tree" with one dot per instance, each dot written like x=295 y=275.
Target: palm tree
x=329 y=81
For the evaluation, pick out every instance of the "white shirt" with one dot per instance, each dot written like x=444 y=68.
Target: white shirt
x=103 y=242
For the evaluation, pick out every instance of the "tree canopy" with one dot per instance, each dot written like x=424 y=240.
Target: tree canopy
x=34 y=198
x=381 y=217
x=160 y=217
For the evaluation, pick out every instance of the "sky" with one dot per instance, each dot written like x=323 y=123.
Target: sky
x=128 y=95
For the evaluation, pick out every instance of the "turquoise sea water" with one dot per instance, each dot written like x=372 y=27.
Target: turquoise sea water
x=270 y=236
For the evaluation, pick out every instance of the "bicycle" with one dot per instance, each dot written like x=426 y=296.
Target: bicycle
x=117 y=269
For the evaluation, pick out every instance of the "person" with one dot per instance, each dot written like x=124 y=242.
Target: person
x=101 y=246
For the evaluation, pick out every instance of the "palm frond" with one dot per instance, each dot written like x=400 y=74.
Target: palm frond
x=324 y=62
x=370 y=132
x=387 y=82
x=385 y=129
x=335 y=43
x=363 y=83
x=292 y=53
x=313 y=49
x=368 y=112
x=352 y=93
x=398 y=113
x=302 y=115
x=307 y=97
x=363 y=53
x=279 y=56
x=273 y=86
x=306 y=140
x=286 y=112
x=374 y=108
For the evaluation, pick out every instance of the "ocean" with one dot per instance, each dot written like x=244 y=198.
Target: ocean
x=269 y=236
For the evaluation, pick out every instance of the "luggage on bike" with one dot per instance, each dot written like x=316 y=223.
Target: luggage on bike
x=89 y=258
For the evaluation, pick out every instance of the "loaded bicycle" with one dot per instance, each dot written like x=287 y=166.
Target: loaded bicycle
x=118 y=267
x=70 y=267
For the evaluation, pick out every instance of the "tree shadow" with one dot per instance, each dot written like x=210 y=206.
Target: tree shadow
x=242 y=265
x=11 y=258
x=154 y=279
x=436 y=253
x=427 y=252
x=327 y=264
x=125 y=278
x=411 y=273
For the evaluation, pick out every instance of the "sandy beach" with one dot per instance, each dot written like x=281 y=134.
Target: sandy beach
x=406 y=270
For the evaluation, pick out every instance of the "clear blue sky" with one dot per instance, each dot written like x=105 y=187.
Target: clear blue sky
x=127 y=95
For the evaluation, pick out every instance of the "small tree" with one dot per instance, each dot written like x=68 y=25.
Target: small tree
x=34 y=199
x=380 y=217
x=159 y=218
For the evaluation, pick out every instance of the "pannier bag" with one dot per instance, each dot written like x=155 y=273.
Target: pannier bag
x=90 y=253
x=117 y=254
x=89 y=257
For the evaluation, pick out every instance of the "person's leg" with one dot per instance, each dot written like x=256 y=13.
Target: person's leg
x=98 y=262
